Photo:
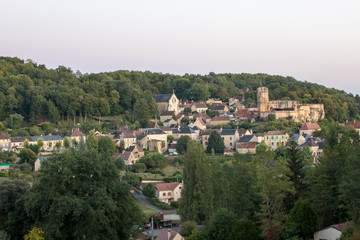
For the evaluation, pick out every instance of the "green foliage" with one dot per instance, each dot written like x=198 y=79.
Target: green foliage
x=174 y=204
x=1 y=126
x=220 y=225
x=161 y=205
x=27 y=156
x=187 y=228
x=245 y=230
x=119 y=163
x=13 y=218
x=216 y=143
x=197 y=235
x=66 y=142
x=91 y=141
x=34 y=131
x=35 y=234
x=182 y=143
x=106 y=146
x=139 y=167
x=149 y=191
x=79 y=196
x=154 y=160
x=15 y=121
x=185 y=120
x=170 y=138
x=271 y=117
x=212 y=113
x=301 y=222
x=132 y=179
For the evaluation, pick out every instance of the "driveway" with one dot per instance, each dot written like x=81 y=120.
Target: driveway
x=143 y=199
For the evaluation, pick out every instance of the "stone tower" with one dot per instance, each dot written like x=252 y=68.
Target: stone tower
x=263 y=99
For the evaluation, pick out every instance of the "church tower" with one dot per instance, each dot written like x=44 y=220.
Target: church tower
x=263 y=99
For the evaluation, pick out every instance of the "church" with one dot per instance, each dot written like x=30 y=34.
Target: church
x=167 y=102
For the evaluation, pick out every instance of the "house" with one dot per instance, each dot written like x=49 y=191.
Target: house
x=252 y=107
x=299 y=139
x=218 y=120
x=229 y=152
x=198 y=123
x=38 y=162
x=245 y=114
x=128 y=137
x=213 y=100
x=167 y=234
x=275 y=139
x=333 y=232
x=260 y=137
x=246 y=147
x=164 y=115
x=309 y=128
x=248 y=138
x=221 y=108
x=199 y=107
x=356 y=125
x=204 y=136
x=316 y=147
x=5 y=142
x=230 y=137
x=168 y=192
x=76 y=135
x=128 y=157
x=137 y=151
x=236 y=101
x=17 y=143
x=172 y=148
x=5 y=166
x=185 y=131
x=49 y=141
x=243 y=132
x=167 y=102
x=169 y=122
x=206 y=118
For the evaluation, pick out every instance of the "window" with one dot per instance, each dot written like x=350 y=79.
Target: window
x=169 y=194
x=230 y=144
x=164 y=194
x=277 y=137
x=282 y=137
x=230 y=138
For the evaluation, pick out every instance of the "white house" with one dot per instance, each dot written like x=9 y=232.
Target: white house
x=168 y=192
x=333 y=232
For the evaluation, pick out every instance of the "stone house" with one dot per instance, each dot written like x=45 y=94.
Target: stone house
x=169 y=122
x=218 y=120
x=168 y=192
x=153 y=138
x=17 y=143
x=221 y=108
x=76 y=134
x=230 y=137
x=164 y=115
x=275 y=139
x=49 y=141
x=128 y=138
x=199 y=107
x=213 y=100
x=204 y=136
x=167 y=102
x=246 y=147
x=309 y=128
x=38 y=162
x=5 y=142
x=198 y=123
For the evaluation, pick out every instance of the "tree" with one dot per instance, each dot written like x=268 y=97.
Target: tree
x=15 y=121
x=187 y=228
x=74 y=143
x=35 y=234
x=182 y=143
x=58 y=145
x=120 y=164
x=79 y=196
x=149 y=191
x=271 y=117
x=1 y=126
x=301 y=222
x=245 y=230
x=40 y=142
x=215 y=142
x=34 y=131
x=27 y=156
x=170 y=138
x=196 y=197
x=132 y=179
x=220 y=225
x=66 y=142
x=273 y=186
x=91 y=141
x=106 y=146
x=139 y=167
x=13 y=218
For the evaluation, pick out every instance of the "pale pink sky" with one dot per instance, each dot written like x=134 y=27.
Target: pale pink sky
x=316 y=41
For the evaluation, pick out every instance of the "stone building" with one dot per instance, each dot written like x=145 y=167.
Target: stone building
x=167 y=102
x=288 y=108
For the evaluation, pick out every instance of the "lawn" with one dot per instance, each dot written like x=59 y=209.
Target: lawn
x=147 y=210
x=169 y=171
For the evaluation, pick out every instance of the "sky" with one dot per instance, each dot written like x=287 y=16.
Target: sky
x=316 y=41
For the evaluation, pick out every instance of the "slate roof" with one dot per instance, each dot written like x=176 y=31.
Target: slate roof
x=228 y=132
x=162 y=97
x=310 y=126
x=242 y=132
x=200 y=105
x=153 y=131
x=246 y=138
x=184 y=130
x=47 y=138
x=208 y=131
x=217 y=107
x=167 y=113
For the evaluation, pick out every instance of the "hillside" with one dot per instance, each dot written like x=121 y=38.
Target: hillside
x=41 y=94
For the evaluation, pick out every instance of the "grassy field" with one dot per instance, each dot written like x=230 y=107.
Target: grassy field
x=147 y=210
x=169 y=171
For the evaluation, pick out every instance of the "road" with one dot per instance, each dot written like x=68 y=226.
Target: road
x=143 y=199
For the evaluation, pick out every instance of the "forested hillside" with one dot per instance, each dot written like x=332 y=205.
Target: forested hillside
x=41 y=94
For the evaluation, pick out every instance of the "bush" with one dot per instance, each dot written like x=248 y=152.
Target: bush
x=177 y=178
x=187 y=227
x=139 y=167
x=4 y=174
x=161 y=205
x=158 y=171
x=174 y=204
x=154 y=161
x=149 y=191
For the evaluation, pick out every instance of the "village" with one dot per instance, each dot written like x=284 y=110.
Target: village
x=178 y=119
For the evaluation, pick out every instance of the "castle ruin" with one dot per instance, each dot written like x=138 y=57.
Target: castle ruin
x=288 y=108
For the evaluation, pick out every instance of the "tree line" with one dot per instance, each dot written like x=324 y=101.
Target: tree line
x=38 y=94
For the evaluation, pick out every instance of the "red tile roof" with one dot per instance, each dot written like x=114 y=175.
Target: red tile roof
x=76 y=133
x=342 y=226
x=4 y=136
x=355 y=124
x=166 y=186
x=220 y=118
x=310 y=126
x=167 y=113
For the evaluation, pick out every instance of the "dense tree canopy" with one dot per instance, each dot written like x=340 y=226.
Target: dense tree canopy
x=79 y=196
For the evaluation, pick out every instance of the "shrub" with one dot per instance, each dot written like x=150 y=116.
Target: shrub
x=187 y=227
x=4 y=174
x=174 y=204
x=149 y=191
